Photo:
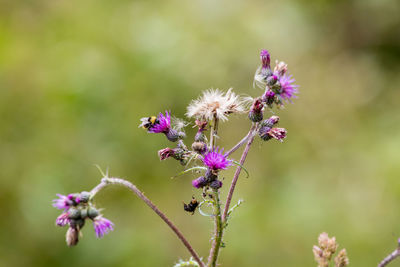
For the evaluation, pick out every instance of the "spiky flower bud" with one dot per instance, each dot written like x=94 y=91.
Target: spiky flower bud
x=265 y=59
x=199 y=182
x=173 y=135
x=271 y=80
x=199 y=147
x=92 y=213
x=74 y=213
x=84 y=196
x=84 y=213
x=216 y=184
x=256 y=111
x=269 y=98
x=72 y=236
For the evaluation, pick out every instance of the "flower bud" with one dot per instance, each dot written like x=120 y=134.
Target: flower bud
x=199 y=147
x=200 y=136
x=256 y=111
x=84 y=196
x=74 y=213
x=199 y=182
x=210 y=175
x=72 y=236
x=271 y=80
x=280 y=68
x=266 y=133
x=216 y=184
x=92 y=213
x=181 y=135
x=172 y=135
x=270 y=122
x=268 y=97
x=78 y=223
x=84 y=213
x=265 y=58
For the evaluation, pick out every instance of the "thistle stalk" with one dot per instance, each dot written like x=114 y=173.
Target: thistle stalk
x=117 y=181
x=389 y=258
x=219 y=228
x=238 y=170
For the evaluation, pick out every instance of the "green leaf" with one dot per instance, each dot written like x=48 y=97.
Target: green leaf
x=241 y=166
x=190 y=169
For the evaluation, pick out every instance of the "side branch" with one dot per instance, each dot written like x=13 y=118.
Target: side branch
x=238 y=170
x=106 y=181
x=391 y=256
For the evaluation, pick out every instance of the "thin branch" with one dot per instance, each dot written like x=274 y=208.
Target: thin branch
x=216 y=245
x=391 y=256
x=237 y=173
x=117 y=181
x=241 y=142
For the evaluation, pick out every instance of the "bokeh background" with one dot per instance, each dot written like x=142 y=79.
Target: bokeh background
x=76 y=77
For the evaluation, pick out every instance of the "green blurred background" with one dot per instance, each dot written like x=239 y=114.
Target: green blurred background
x=76 y=77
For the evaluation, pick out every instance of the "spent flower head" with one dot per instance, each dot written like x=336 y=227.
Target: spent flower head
x=215 y=104
x=102 y=226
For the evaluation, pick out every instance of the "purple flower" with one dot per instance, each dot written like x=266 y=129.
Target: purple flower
x=162 y=125
x=63 y=219
x=199 y=182
x=63 y=202
x=215 y=160
x=288 y=89
x=102 y=226
x=265 y=58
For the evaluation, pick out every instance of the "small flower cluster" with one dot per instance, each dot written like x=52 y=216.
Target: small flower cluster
x=278 y=84
x=325 y=250
x=76 y=209
x=215 y=160
x=266 y=130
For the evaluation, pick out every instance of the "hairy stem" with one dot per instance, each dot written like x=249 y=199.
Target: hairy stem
x=238 y=170
x=117 y=181
x=213 y=132
x=391 y=256
x=216 y=245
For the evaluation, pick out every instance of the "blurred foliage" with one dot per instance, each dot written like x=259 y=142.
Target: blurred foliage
x=76 y=77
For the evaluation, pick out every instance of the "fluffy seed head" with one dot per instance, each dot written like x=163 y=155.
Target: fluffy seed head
x=214 y=103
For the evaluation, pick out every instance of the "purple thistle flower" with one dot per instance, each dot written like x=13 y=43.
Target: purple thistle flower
x=215 y=160
x=163 y=124
x=63 y=202
x=288 y=89
x=63 y=219
x=102 y=226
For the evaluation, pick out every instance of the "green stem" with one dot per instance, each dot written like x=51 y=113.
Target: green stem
x=213 y=132
x=219 y=228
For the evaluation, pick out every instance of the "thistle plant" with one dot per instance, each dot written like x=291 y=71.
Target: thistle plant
x=203 y=156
